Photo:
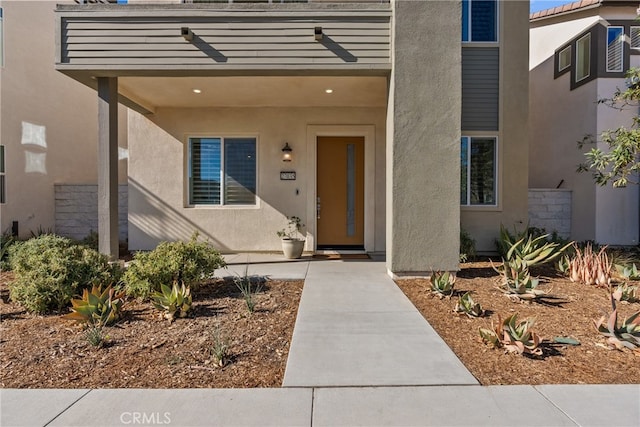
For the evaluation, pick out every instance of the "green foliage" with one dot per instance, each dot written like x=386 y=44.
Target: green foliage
x=442 y=283
x=629 y=272
x=513 y=336
x=174 y=301
x=244 y=285
x=7 y=239
x=98 y=307
x=219 y=348
x=41 y=231
x=627 y=293
x=95 y=336
x=626 y=335
x=467 y=246
x=91 y=240
x=51 y=269
x=466 y=305
x=293 y=229
x=189 y=262
x=620 y=163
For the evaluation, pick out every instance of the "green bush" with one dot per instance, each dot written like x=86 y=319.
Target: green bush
x=50 y=270
x=7 y=240
x=467 y=246
x=189 y=262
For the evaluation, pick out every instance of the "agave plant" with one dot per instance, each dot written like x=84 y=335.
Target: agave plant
x=625 y=336
x=466 y=305
x=174 y=301
x=513 y=336
x=97 y=307
x=589 y=267
x=531 y=251
x=627 y=293
x=629 y=272
x=442 y=283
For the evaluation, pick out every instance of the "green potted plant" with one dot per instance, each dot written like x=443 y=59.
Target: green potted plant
x=292 y=238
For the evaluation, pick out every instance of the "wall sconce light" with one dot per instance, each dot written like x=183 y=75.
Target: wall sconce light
x=286 y=152
x=317 y=33
x=186 y=33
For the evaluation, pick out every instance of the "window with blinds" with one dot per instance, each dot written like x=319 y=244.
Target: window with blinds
x=222 y=171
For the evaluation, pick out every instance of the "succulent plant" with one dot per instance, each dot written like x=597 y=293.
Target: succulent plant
x=625 y=336
x=442 y=283
x=513 y=336
x=466 y=305
x=97 y=307
x=517 y=282
x=589 y=267
x=174 y=301
x=629 y=272
x=627 y=293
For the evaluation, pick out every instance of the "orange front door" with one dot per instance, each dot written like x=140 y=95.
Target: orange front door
x=340 y=192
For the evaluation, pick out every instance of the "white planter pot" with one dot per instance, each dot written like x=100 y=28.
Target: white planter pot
x=292 y=248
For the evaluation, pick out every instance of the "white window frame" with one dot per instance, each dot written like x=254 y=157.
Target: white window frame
x=496 y=174
x=621 y=44
x=560 y=55
x=470 y=25
x=588 y=52
x=222 y=137
x=3 y=174
x=636 y=29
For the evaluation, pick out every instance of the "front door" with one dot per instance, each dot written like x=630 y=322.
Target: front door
x=340 y=192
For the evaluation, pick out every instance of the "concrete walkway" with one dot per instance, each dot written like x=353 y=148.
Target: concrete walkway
x=361 y=355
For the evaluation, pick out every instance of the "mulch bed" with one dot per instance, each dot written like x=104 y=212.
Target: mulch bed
x=571 y=314
x=144 y=350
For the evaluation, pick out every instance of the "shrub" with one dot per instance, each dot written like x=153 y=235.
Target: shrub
x=189 y=262
x=51 y=269
x=467 y=246
x=7 y=240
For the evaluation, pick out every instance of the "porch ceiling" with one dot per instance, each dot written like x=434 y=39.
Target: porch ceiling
x=255 y=91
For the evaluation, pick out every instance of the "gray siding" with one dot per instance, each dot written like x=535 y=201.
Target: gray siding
x=238 y=40
x=480 y=88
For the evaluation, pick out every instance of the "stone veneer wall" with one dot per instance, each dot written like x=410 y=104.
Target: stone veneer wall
x=550 y=209
x=76 y=210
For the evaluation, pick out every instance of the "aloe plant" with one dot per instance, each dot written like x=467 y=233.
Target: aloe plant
x=629 y=272
x=627 y=293
x=626 y=335
x=97 y=307
x=442 y=283
x=174 y=301
x=589 y=267
x=513 y=336
x=466 y=305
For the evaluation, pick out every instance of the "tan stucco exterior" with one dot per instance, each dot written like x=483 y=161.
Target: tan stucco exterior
x=49 y=122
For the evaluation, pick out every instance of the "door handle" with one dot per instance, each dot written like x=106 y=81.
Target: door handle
x=318 y=208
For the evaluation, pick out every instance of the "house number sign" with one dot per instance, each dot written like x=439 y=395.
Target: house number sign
x=287 y=176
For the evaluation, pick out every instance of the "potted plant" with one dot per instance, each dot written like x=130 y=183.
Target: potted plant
x=292 y=238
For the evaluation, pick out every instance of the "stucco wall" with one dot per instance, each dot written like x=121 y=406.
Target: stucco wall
x=483 y=223
x=158 y=195
x=49 y=121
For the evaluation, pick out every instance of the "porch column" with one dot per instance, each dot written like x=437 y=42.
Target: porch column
x=108 y=166
x=423 y=138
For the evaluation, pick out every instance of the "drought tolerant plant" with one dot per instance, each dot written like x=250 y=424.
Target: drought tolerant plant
x=628 y=293
x=293 y=231
x=442 y=283
x=191 y=263
x=244 y=285
x=467 y=246
x=7 y=239
x=626 y=335
x=466 y=305
x=219 y=348
x=50 y=270
x=174 y=301
x=513 y=336
x=98 y=307
x=589 y=267
x=95 y=336
x=629 y=272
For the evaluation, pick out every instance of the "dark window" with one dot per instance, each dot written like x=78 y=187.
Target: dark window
x=479 y=20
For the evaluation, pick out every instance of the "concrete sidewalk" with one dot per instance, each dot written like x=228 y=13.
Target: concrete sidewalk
x=361 y=355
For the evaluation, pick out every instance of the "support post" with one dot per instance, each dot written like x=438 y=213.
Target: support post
x=108 y=166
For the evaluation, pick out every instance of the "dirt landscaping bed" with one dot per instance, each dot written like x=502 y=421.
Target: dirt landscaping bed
x=571 y=314
x=144 y=350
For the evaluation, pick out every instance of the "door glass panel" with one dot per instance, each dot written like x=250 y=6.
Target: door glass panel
x=351 y=190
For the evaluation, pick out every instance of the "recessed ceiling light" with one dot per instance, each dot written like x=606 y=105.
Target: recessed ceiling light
x=197 y=91
x=328 y=90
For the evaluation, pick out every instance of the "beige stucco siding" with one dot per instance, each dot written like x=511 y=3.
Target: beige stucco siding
x=49 y=122
x=158 y=194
